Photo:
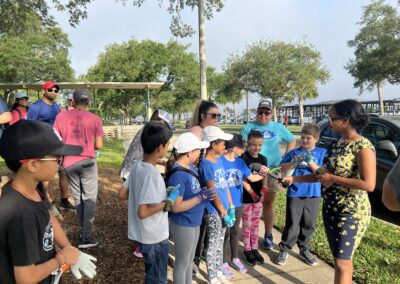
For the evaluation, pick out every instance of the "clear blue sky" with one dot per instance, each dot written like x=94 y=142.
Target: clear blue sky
x=328 y=25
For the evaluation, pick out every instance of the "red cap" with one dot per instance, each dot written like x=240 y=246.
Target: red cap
x=49 y=84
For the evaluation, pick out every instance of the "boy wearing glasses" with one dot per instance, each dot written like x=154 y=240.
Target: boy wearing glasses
x=273 y=134
x=81 y=127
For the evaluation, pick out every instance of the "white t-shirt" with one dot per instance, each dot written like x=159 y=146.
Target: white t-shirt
x=146 y=186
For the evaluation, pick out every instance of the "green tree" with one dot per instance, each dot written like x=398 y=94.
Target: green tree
x=377 y=49
x=143 y=61
x=35 y=57
x=307 y=73
x=264 y=68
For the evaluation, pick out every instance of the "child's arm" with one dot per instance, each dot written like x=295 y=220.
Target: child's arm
x=217 y=201
x=67 y=255
x=147 y=210
x=182 y=206
x=254 y=177
x=123 y=193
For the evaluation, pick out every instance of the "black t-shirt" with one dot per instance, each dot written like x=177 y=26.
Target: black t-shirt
x=26 y=233
x=256 y=186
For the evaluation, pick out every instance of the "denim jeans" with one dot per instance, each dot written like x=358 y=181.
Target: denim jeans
x=155 y=258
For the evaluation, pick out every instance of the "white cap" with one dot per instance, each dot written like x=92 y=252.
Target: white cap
x=212 y=133
x=187 y=142
x=70 y=96
x=164 y=115
x=21 y=95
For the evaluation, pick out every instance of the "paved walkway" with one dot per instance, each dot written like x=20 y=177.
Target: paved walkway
x=295 y=270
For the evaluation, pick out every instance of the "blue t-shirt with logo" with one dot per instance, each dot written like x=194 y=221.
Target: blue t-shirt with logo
x=273 y=134
x=190 y=187
x=312 y=189
x=209 y=171
x=235 y=172
x=43 y=112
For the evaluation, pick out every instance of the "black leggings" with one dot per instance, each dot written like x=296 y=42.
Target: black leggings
x=231 y=240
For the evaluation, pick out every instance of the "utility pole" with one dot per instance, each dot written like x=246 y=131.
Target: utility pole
x=202 y=52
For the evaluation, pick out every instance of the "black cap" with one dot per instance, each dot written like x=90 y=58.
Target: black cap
x=33 y=139
x=81 y=95
x=236 y=141
x=265 y=104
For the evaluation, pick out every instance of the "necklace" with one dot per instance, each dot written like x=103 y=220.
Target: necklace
x=23 y=192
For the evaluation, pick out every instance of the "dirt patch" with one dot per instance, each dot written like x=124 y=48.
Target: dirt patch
x=115 y=260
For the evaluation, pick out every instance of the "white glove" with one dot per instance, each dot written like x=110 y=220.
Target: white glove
x=84 y=264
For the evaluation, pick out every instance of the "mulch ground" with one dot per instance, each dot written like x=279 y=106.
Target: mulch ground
x=115 y=260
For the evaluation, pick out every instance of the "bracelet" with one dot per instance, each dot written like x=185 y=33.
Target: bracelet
x=59 y=261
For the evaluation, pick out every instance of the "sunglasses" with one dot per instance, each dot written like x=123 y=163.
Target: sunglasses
x=52 y=90
x=332 y=119
x=59 y=159
x=213 y=115
x=265 y=112
x=22 y=99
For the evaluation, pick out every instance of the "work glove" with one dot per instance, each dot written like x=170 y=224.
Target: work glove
x=276 y=172
x=309 y=157
x=259 y=169
x=231 y=212
x=84 y=264
x=172 y=196
x=59 y=272
x=254 y=196
x=227 y=221
x=206 y=194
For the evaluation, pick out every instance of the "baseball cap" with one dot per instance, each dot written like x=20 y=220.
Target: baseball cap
x=265 y=104
x=21 y=95
x=81 y=95
x=212 y=133
x=187 y=142
x=70 y=96
x=164 y=115
x=32 y=139
x=49 y=84
x=236 y=141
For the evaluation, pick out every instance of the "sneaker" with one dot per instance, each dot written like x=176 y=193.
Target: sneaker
x=268 y=242
x=226 y=271
x=282 y=257
x=258 y=256
x=250 y=259
x=138 y=253
x=66 y=205
x=238 y=265
x=307 y=256
x=88 y=243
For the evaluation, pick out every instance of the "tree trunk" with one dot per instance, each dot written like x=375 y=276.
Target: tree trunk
x=226 y=113
x=380 y=96
x=202 y=52
x=274 y=111
x=301 y=110
x=234 y=111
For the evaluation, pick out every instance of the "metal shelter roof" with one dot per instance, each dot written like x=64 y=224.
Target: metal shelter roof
x=88 y=85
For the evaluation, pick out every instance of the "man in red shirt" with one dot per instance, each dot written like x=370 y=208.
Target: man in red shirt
x=83 y=128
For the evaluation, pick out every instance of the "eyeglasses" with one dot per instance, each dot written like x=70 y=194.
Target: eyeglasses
x=52 y=90
x=332 y=119
x=265 y=112
x=59 y=159
x=213 y=115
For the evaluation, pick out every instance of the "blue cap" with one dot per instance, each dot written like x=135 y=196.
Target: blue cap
x=21 y=95
x=70 y=96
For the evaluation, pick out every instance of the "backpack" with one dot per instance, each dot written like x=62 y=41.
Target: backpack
x=179 y=169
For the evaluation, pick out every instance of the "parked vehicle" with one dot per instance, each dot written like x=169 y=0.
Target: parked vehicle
x=384 y=134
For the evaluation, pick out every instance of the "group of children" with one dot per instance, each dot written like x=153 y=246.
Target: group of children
x=225 y=187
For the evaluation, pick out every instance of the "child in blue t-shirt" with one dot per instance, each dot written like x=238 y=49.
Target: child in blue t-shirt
x=302 y=205
x=219 y=213
x=236 y=170
x=188 y=209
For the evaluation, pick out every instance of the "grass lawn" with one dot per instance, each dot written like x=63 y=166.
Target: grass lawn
x=377 y=259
